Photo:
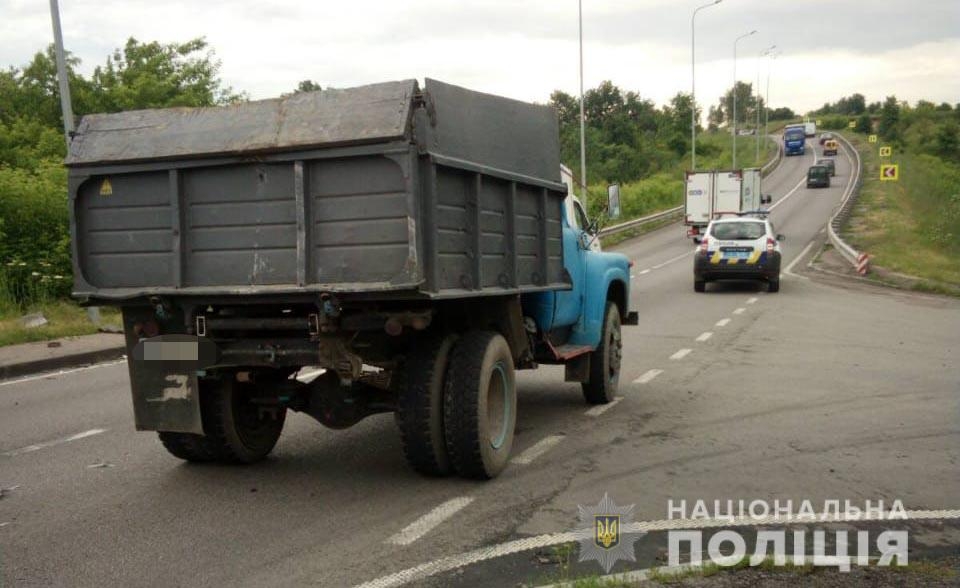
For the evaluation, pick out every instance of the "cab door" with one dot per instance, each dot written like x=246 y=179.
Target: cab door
x=576 y=246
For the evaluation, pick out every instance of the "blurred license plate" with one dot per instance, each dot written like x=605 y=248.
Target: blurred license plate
x=171 y=351
x=736 y=254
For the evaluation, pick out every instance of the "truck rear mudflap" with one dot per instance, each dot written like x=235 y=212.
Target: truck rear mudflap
x=164 y=381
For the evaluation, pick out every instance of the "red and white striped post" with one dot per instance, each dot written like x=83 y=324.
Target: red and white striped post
x=863 y=264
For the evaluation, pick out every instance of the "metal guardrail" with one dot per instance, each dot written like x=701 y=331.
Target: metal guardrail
x=856 y=258
x=663 y=215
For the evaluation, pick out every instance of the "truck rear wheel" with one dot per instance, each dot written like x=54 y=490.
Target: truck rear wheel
x=244 y=430
x=480 y=405
x=420 y=406
x=605 y=361
x=237 y=430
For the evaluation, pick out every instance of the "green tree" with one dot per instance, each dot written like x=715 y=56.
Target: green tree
x=307 y=86
x=155 y=75
x=864 y=124
x=889 y=117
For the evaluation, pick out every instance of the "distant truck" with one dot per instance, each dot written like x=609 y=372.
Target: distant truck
x=415 y=244
x=713 y=193
x=810 y=128
x=794 y=140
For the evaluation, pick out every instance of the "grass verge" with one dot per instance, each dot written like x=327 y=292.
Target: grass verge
x=909 y=226
x=65 y=319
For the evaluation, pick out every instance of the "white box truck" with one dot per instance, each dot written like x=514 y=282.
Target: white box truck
x=714 y=193
x=698 y=201
x=751 y=198
x=809 y=128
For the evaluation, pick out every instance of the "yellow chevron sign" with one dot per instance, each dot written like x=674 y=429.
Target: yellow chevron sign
x=889 y=172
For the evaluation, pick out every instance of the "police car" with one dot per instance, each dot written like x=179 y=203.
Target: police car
x=740 y=247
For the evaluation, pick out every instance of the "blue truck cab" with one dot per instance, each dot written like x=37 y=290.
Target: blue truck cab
x=581 y=326
x=794 y=140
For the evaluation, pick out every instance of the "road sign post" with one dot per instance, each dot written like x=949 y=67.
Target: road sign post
x=889 y=172
x=886 y=151
x=872 y=138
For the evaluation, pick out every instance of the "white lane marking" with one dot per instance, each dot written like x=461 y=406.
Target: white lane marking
x=536 y=450
x=646 y=271
x=648 y=376
x=740 y=310
x=673 y=259
x=52 y=375
x=488 y=552
x=752 y=300
x=680 y=354
x=723 y=322
x=788 y=194
x=704 y=336
x=789 y=270
x=600 y=409
x=46 y=444
x=427 y=522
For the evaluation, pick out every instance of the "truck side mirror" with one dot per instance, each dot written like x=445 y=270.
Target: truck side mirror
x=780 y=237
x=696 y=239
x=613 y=201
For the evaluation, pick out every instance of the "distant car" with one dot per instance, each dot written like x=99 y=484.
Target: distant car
x=738 y=248
x=830 y=147
x=818 y=176
x=824 y=137
x=830 y=164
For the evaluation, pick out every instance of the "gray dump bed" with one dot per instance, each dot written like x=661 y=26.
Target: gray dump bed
x=439 y=192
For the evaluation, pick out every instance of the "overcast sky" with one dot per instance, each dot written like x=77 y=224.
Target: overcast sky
x=527 y=48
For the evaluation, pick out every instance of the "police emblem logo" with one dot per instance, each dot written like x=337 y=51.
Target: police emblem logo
x=608 y=530
x=606 y=536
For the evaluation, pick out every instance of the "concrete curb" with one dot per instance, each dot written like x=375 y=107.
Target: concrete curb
x=45 y=364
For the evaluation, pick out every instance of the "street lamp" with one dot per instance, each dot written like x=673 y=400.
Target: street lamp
x=734 y=121
x=766 y=119
x=583 y=136
x=693 y=86
x=763 y=53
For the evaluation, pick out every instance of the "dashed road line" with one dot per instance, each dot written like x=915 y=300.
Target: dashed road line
x=673 y=259
x=46 y=444
x=680 y=354
x=752 y=300
x=61 y=373
x=648 y=376
x=427 y=522
x=537 y=449
x=704 y=336
x=646 y=271
x=740 y=310
x=602 y=408
x=723 y=322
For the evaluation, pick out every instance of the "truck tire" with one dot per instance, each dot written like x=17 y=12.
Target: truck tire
x=601 y=388
x=699 y=286
x=236 y=430
x=419 y=413
x=773 y=285
x=480 y=405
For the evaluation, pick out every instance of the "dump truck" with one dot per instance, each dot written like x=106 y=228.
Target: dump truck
x=413 y=245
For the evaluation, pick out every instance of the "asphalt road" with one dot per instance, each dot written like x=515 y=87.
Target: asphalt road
x=818 y=392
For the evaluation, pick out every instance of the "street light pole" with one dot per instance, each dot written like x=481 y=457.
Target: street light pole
x=763 y=53
x=733 y=122
x=583 y=136
x=766 y=120
x=693 y=86
x=65 y=105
